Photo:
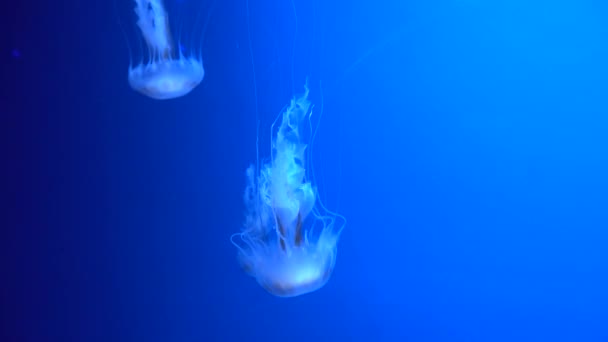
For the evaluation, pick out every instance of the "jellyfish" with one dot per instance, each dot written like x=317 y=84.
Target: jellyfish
x=167 y=73
x=288 y=240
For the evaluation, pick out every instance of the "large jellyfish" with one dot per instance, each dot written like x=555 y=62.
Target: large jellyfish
x=167 y=73
x=288 y=242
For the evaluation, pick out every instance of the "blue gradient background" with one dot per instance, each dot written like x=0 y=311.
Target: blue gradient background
x=465 y=141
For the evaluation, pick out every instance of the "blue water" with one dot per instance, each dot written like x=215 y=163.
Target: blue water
x=465 y=142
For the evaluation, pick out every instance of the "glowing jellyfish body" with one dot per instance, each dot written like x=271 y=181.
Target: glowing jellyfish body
x=288 y=245
x=166 y=74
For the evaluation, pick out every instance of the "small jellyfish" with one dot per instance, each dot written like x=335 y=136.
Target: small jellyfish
x=167 y=73
x=288 y=241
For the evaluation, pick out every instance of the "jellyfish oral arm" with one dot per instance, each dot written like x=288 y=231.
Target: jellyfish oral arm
x=153 y=22
x=291 y=196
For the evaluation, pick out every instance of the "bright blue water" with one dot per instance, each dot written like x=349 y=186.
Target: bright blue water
x=465 y=141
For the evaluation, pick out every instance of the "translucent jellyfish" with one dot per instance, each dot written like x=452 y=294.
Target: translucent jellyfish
x=288 y=242
x=167 y=73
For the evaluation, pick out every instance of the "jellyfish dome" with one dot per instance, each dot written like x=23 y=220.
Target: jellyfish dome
x=167 y=73
x=288 y=241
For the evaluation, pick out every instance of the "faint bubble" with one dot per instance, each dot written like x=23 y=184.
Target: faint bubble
x=15 y=53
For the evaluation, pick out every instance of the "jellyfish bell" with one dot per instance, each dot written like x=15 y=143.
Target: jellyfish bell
x=302 y=270
x=288 y=241
x=165 y=79
x=166 y=73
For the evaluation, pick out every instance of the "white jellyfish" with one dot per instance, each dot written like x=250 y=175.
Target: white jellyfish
x=167 y=73
x=288 y=242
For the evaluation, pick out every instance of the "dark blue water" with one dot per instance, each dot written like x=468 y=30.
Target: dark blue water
x=465 y=141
